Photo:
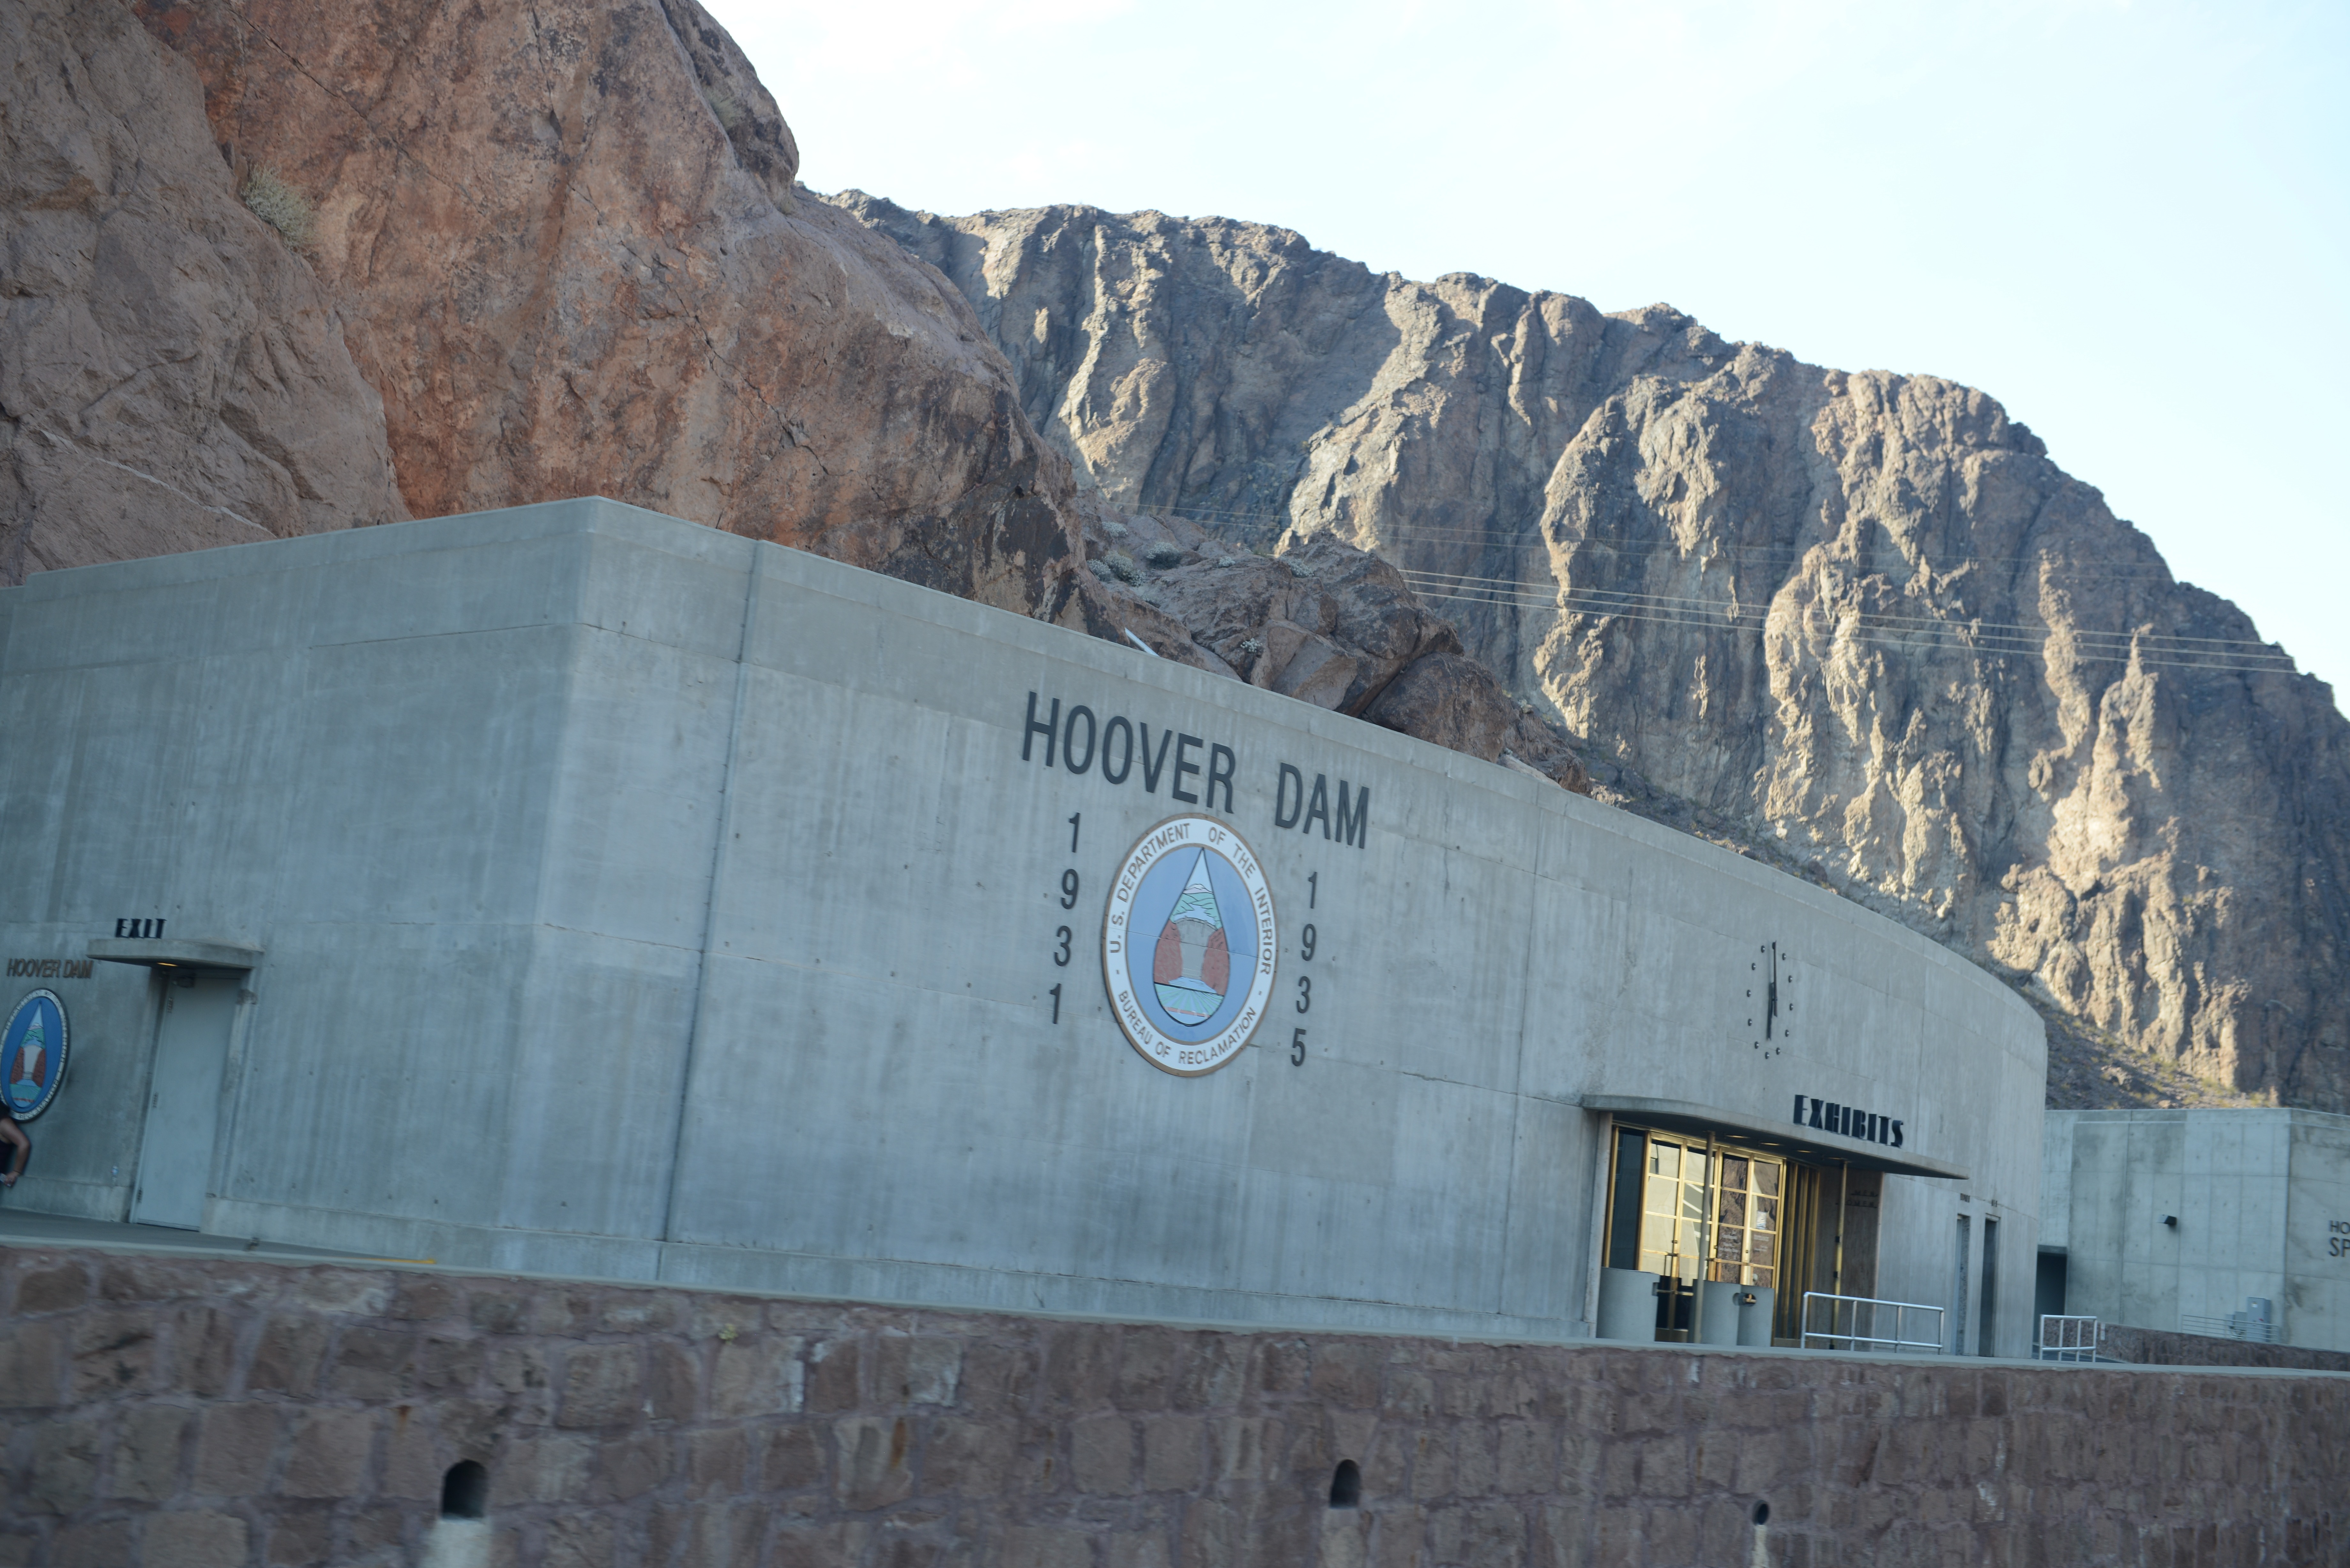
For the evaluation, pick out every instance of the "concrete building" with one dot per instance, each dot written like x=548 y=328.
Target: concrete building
x=571 y=888
x=2202 y=1221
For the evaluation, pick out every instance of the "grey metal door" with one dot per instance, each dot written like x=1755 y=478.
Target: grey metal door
x=175 y=1159
x=1959 y=1301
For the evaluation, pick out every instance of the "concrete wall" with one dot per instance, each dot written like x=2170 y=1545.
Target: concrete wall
x=174 y=1413
x=2056 y=1180
x=642 y=902
x=2256 y=1194
x=2316 y=1302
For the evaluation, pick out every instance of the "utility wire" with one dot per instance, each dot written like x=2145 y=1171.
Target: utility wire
x=2159 y=651
x=2183 y=643
x=1846 y=634
x=1416 y=532
x=1950 y=637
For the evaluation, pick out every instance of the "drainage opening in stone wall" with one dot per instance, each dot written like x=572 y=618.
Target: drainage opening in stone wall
x=1347 y=1485
x=466 y=1491
x=1762 y=1514
x=459 y=1538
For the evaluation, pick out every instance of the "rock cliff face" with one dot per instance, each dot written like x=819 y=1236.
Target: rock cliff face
x=565 y=249
x=171 y=375
x=1859 y=620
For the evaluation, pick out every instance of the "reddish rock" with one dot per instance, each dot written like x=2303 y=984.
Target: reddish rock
x=172 y=374
x=563 y=241
x=1455 y=702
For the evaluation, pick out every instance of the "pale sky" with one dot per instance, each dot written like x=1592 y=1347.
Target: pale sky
x=2129 y=223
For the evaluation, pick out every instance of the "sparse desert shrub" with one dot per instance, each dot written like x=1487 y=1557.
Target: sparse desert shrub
x=1116 y=569
x=730 y=111
x=1164 y=555
x=282 y=207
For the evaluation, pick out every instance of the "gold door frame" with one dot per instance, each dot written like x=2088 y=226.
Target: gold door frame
x=1707 y=1218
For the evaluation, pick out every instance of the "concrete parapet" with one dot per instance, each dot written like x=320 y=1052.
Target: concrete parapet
x=167 y=1409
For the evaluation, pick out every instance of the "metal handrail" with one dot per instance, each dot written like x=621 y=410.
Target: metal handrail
x=1850 y=1338
x=2073 y=1338
x=2235 y=1325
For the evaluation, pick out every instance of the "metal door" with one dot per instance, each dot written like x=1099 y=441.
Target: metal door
x=1959 y=1301
x=1987 y=1339
x=175 y=1159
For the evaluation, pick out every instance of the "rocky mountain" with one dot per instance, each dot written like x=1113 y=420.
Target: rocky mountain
x=1859 y=622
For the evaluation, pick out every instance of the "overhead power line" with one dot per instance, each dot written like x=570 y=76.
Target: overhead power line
x=2156 y=571
x=2160 y=651
x=1852 y=625
x=2168 y=642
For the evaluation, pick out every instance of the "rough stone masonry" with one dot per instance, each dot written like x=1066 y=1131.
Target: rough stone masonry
x=194 y=1412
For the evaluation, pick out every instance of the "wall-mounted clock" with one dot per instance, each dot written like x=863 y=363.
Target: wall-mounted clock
x=1769 y=1004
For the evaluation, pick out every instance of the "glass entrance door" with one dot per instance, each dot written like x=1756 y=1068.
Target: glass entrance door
x=1672 y=1210
x=1746 y=1220
x=1673 y=1191
x=1713 y=1216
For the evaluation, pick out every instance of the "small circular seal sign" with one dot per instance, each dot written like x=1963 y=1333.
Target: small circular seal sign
x=33 y=1054
x=1188 y=945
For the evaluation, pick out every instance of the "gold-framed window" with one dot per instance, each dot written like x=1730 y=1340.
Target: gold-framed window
x=1679 y=1180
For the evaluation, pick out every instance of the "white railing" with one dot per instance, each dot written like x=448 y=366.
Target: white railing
x=2252 y=1325
x=1853 y=1323
x=2070 y=1338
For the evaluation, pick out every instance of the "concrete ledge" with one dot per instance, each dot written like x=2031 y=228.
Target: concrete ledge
x=190 y=952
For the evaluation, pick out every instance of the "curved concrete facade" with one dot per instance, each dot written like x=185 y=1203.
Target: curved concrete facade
x=634 y=900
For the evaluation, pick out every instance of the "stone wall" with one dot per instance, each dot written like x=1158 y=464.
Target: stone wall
x=197 y=1411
